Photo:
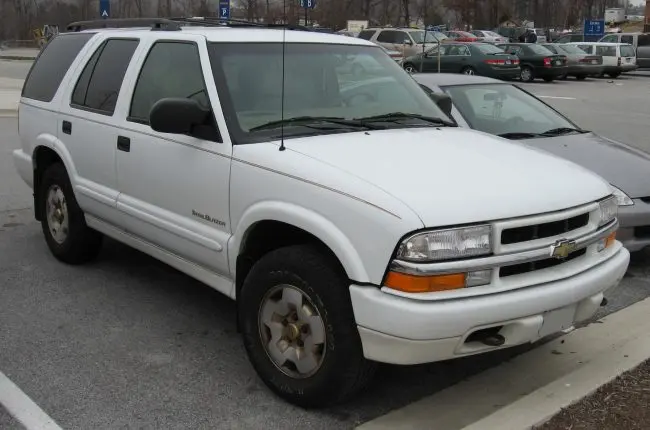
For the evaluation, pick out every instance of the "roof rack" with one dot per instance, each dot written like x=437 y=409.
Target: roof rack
x=174 y=24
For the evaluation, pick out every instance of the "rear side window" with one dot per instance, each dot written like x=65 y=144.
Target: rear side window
x=52 y=64
x=627 y=51
x=366 y=34
x=644 y=40
x=606 y=51
x=99 y=84
x=627 y=39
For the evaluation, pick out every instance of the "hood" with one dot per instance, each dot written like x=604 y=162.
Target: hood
x=453 y=176
x=625 y=167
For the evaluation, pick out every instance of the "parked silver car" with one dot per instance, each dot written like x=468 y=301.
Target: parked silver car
x=580 y=63
x=504 y=109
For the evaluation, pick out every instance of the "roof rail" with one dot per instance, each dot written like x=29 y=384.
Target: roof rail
x=154 y=23
x=175 y=24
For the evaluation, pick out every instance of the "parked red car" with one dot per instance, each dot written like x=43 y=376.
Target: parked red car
x=462 y=36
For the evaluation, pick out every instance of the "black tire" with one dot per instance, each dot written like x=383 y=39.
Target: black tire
x=343 y=371
x=410 y=68
x=614 y=75
x=469 y=70
x=527 y=74
x=581 y=77
x=81 y=244
x=549 y=79
x=563 y=77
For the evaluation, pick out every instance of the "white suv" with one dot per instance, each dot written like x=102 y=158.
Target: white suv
x=352 y=222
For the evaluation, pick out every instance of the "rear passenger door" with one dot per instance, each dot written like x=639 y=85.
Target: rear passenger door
x=174 y=189
x=88 y=124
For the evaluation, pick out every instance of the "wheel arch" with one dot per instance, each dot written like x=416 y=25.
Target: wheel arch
x=270 y=225
x=48 y=151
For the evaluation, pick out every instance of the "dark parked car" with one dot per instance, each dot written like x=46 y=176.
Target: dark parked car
x=505 y=110
x=469 y=58
x=580 y=64
x=537 y=61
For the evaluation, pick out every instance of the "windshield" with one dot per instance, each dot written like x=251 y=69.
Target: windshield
x=539 y=49
x=627 y=51
x=571 y=49
x=489 y=49
x=431 y=36
x=503 y=108
x=340 y=83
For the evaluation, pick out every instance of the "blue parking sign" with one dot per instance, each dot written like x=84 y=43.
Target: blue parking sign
x=224 y=10
x=308 y=4
x=594 y=27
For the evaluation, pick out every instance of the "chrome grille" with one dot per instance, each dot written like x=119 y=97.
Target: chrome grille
x=540 y=231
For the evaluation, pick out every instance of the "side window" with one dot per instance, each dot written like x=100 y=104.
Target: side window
x=463 y=50
x=366 y=34
x=402 y=37
x=644 y=40
x=551 y=48
x=610 y=38
x=606 y=51
x=171 y=70
x=627 y=39
x=586 y=48
x=387 y=36
x=99 y=84
x=52 y=63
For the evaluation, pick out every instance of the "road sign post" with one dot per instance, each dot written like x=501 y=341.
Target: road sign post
x=224 y=9
x=104 y=9
x=307 y=4
x=594 y=28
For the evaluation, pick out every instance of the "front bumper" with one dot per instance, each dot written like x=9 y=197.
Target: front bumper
x=634 y=230
x=401 y=330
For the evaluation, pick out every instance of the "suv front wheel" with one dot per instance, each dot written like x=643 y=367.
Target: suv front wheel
x=298 y=327
x=69 y=238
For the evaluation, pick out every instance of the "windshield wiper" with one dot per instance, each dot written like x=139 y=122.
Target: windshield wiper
x=400 y=116
x=519 y=135
x=313 y=122
x=562 y=130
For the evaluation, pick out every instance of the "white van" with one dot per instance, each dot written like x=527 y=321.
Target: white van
x=617 y=57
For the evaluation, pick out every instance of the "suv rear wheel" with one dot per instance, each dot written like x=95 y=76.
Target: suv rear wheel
x=62 y=220
x=298 y=327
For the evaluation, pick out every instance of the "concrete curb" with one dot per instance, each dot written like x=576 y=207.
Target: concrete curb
x=532 y=387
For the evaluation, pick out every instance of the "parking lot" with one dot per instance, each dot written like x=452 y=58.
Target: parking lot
x=127 y=342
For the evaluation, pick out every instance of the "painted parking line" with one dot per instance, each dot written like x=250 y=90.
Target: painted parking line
x=557 y=97
x=22 y=408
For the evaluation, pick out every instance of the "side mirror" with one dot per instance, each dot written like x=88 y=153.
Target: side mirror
x=443 y=101
x=177 y=115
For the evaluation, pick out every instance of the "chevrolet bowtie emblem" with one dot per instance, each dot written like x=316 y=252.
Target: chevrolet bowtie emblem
x=562 y=248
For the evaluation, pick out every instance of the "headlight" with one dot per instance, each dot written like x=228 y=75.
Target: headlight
x=608 y=210
x=621 y=198
x=447 y=244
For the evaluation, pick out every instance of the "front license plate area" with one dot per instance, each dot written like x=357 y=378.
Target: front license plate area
x=557 y=320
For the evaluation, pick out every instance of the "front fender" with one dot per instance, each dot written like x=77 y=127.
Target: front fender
x=306 y=220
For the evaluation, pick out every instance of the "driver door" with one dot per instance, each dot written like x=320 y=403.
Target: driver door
x=174 y=188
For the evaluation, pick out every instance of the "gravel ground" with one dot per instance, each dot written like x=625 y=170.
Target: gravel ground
x=620 y=405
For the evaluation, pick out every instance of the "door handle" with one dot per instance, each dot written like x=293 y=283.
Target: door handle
x=123 y=143
x=66 y=127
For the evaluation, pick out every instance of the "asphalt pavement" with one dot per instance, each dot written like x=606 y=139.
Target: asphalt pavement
x=127 y=342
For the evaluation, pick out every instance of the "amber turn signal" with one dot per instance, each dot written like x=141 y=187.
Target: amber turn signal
x=424 y=284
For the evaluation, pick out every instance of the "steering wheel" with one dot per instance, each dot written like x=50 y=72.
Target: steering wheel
x=359 y=98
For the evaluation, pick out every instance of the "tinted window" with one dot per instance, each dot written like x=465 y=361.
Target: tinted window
x=489 y=49
x=101 y=80
x=52 y=64
x=171 y=69
x=539 y=50
x=388 y=37
x=551 y=48
x=644 y=40
x=586 y=48
x=610 y=38
x=627 y=39
x=366 y=34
